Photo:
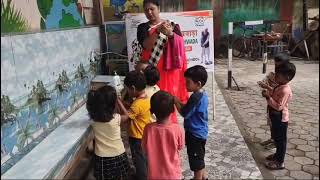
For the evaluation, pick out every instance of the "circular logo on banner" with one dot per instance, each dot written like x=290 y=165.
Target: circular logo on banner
x=199 y=21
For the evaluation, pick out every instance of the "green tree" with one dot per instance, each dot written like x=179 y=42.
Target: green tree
x=11 y=19
x=44 y=7
x=68 y=2
x=24 y=134
x=80 y=74
x=68 y=20
x=74 y=98
x=93 y=68
x=53 y=115
x=8 y=110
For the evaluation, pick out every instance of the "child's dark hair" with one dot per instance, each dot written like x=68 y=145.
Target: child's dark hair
x=197 y=74
x=162 y=105
x=152 y=75
x=135 y=79
x=282 y=58
x=288 y=70
x=155 y=2
x=101 y=103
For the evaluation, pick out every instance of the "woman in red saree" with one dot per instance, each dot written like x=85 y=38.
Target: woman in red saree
x=171 y=73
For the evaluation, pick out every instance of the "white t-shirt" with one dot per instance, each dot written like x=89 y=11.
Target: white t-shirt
x=108 y=142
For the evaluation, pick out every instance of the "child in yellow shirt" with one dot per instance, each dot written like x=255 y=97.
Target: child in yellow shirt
x=139 y=115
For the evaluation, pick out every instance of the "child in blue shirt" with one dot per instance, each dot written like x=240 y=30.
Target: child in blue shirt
x=195 y=114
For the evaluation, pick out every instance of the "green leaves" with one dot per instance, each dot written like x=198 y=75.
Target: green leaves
x=11 y=19
x=68 y=2
x=24 y=134
x=68 y=21
x=44 y=7
x=8 y=110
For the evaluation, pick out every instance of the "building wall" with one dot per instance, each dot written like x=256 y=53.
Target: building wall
x=36 y=15
x=44 y=78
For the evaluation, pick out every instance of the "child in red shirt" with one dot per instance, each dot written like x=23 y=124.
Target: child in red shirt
x=162 y=140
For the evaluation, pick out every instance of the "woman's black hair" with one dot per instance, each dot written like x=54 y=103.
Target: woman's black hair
x=155 y=2
x=101 y=104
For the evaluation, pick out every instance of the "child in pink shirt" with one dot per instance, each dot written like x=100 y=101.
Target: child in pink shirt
x=162 y=140
x=278 y=103
x=269 y=83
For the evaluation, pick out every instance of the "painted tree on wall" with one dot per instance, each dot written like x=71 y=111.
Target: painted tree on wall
x=7 y=110
x=25 y=135
x=54 y=116
x=68 y=20
x=62 y=83
x=11 y=19
x=44 y=8
x=68 y=2
x=38 y=93
x=80 y=74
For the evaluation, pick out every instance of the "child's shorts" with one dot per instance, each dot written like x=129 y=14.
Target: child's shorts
x=196 y=151
x=111 y=167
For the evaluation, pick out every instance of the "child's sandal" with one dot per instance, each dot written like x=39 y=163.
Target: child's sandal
x=274 y=165
x=267 y=142
x=270 y=157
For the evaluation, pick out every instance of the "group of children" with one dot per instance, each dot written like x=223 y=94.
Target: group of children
x=155 y=139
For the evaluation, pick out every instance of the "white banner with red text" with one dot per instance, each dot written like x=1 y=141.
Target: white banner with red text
x=197 y=31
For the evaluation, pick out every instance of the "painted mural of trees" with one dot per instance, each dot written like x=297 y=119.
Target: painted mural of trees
x=24 y=135
x=38 y=93
x=11 y=19
x=68 y=20
x=44 y=9
x=7 y=110
x=63 y=81
x=68 y=2
x=54 y=115
x=81 y=72
x=74 y=98
x=93 y=67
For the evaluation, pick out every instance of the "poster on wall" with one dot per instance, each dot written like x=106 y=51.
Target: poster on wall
x=197 y=30
x=115 y=10
x=116 y=36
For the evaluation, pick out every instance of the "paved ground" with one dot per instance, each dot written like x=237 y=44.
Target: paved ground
x=227 y=155
x=249 y=110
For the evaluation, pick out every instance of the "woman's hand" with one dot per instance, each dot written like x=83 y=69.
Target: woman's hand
x=166 y=28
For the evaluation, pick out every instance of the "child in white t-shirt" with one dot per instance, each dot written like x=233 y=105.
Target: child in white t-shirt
x=110 y=158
